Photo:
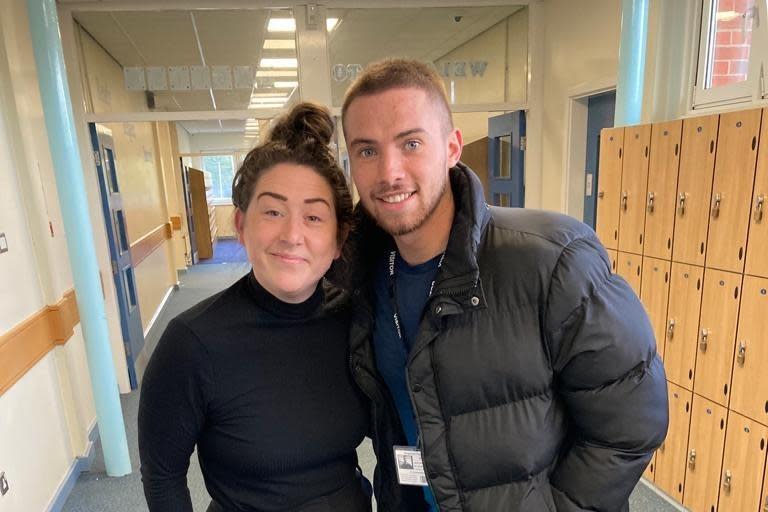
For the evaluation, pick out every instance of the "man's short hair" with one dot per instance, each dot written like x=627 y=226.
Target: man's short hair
x=388 y=74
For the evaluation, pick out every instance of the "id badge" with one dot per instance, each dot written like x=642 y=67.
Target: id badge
x=410 y=469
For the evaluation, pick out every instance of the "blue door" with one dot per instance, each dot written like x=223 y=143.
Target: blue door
x=506 y=159
x=600 y=110
x=119 y=249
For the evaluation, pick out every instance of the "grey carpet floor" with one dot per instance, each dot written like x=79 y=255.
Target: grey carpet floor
x=96 y=492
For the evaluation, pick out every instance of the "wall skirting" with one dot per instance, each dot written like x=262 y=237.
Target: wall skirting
x=79 y=465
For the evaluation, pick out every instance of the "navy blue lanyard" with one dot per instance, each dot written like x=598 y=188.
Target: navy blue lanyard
x=393 y=289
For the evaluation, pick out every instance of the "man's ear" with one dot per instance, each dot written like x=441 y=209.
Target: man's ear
x=239 y=224
x=454 y=146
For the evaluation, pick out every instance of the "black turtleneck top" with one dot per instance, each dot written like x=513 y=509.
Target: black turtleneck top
x=262 y=388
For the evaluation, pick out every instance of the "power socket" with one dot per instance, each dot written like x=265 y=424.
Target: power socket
x=3 y=484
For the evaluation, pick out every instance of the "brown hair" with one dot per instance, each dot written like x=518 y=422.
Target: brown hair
x=389 y=74
x=300 y=137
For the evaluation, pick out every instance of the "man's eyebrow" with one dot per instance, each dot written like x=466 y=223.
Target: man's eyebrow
x=361 y=141
x=406 y=133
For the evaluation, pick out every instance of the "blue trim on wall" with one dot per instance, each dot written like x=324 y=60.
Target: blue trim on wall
x=79 y=465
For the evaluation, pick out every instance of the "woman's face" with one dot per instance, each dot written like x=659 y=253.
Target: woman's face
x=289 y=231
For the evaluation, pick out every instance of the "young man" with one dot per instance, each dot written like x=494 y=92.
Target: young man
x=497 y=347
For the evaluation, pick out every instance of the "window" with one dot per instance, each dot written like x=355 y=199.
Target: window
x=221 y=169
x=732 y=52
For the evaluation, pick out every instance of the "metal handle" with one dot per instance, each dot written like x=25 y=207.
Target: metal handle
x=681 y=203
x=759 y=208
x=624 y=200
x=692 y=459
x=742 y=353
x=704 y=340
x=651 y=197
x=716 y=205
x=671 y=328
x=727 y=481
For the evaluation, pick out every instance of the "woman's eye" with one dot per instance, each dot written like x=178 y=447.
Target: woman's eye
x=272 y=213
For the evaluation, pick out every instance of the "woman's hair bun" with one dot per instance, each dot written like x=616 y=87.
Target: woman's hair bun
x=307 y=123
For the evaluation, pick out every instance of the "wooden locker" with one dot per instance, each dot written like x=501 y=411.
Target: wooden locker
x=764 y=499
x=717 y=334
x=613 y=256
x=705 y=453
x=655 y=295
x=672 y=456
x=682 y=333
x=630 y=267
x=757 y=245
x=662 y=186
x=634 y=184
x=750 y=386
x=741 y=478
x=650 y=472
x=609 y=186
x=694 y=187
x=732 y=189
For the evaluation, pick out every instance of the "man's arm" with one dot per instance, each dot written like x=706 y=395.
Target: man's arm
x=609 y=377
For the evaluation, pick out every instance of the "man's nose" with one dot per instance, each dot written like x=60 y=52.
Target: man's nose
x=390 y=167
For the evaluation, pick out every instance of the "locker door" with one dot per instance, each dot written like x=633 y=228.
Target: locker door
x=682 y=334
x=764 y=499
x=662 y=184
x=694 y=187
x=650 y=472
x=743 y=464
x=609 y=186
x=732 y=189
x=630 y=267
x=613 y=256
x=750 y=386
x=655 y=295
x=717 y=332
x=672 y=457
x=705 y=453
x=757 y=246
x=634 y=184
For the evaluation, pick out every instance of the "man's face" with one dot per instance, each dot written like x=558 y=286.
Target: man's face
x=400 y=151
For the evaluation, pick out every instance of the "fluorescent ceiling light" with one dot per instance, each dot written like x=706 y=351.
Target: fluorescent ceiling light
x=276 y=74
x=279 y=44
x=266 y=105
x=268 y=95
x=330 y=23
x=281 y=25
x=279 y=63
x=285 y=84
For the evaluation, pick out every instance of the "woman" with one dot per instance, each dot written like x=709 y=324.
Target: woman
x=256 y=377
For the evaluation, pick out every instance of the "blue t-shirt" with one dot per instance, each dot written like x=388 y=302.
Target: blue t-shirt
x=412 y=289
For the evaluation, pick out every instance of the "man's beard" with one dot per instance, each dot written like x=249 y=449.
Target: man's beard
x=405 y=229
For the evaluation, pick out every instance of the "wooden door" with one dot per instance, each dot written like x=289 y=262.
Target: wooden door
x=672 y=456
x=750 y=385
x=705 y=454
x=717 y=333
x=609 y=186
x=655 y=295
x=741 y=478
x=757 y=245
x=732 y=189
x=682 y=333
x=694 y=187
x=662 y=186
x=634 y=184
x=630 y=267
x=613 y=256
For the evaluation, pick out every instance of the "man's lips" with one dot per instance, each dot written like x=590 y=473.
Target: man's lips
x=395 y=198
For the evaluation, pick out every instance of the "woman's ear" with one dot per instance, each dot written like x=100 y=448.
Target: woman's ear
x=239 y=224
x=342 y=239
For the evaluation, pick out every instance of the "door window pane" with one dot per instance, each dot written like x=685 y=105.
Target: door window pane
x=222 y=171
x=505 y=148
x=730 y=42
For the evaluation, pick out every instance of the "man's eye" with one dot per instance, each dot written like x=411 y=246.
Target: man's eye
x=412 y=144
x=367 y=152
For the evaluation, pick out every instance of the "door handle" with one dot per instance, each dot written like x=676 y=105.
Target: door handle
x=651 y=197
x=624 y=200
x=704 y=341
x=671 y=328
x=759 y=208
x=727 y=481
x=692 y=459
x=742 y=353
x=681 y=203
x=716 y=205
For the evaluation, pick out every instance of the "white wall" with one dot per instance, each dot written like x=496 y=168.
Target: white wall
x=205 y=142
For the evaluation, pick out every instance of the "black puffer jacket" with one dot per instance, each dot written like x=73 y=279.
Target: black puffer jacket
x=534 y=375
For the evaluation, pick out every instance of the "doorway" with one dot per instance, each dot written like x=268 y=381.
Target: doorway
x=506 y=159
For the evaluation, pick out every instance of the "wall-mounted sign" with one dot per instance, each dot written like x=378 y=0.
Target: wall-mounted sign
x=457 y=69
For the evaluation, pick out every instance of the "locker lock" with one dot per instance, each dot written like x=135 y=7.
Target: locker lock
x=671 y=328
x=765 y=507
x=624 y=200
x=716 y=205
x=704 y=340
x=651 y=197
x=759 y=208
x=742 y=353
x=727 y=481
x=681 y=203
x=692 y=459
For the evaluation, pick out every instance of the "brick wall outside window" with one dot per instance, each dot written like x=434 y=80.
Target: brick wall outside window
x=732 y=44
